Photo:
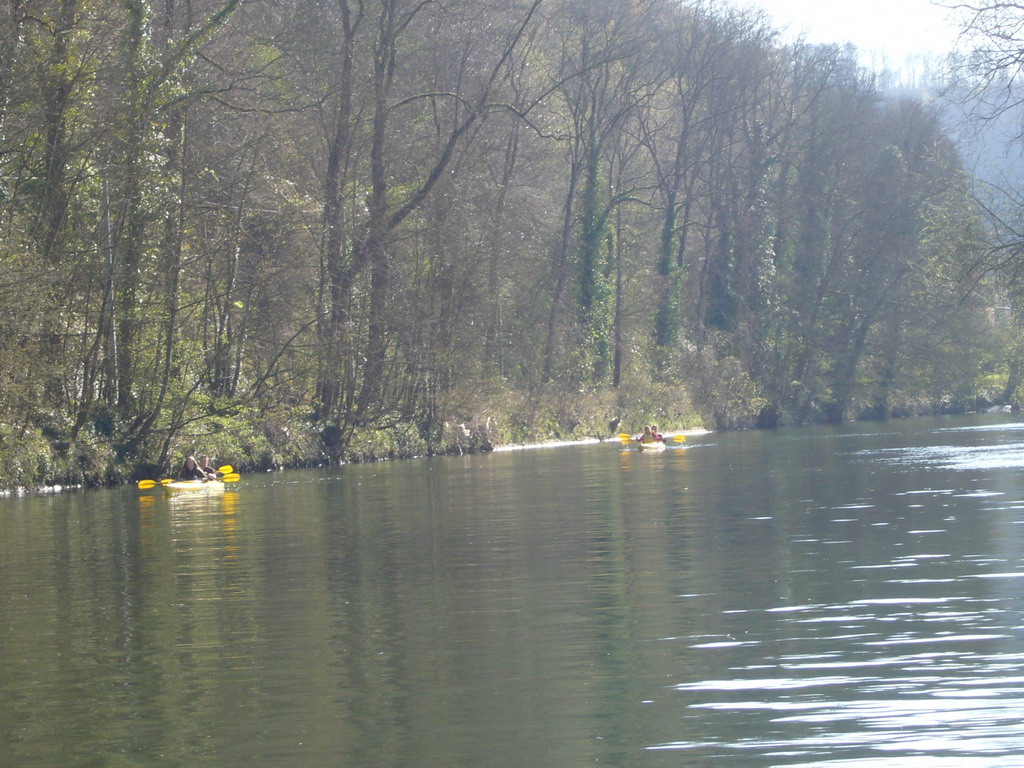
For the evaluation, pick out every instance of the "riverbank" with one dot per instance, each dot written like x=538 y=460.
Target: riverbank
x=596 y=440
x=52 y=455
x=45 y=459
x=467 y=442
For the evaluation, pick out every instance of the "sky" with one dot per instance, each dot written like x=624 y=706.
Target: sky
x=886 y=32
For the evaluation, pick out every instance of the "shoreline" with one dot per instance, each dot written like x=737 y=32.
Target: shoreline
x=593 y=441
x=47 y=490
x=44 y=490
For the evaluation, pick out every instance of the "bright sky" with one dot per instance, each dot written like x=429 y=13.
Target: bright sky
x=886 y=32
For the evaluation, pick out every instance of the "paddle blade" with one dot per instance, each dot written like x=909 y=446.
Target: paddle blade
x=624 y=436
x=679 y=438
x=231 y=477
x=227 y=469
x=146 y=484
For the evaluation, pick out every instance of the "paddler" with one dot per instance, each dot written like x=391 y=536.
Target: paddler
x=647 y=437
x=190 y=470
x=204 y=465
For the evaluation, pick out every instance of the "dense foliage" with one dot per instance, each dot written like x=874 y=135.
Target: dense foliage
x=276 y=229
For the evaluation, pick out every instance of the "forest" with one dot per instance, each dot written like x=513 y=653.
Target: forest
x=296 y=232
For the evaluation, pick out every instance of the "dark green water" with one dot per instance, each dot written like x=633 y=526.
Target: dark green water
x=814 y=597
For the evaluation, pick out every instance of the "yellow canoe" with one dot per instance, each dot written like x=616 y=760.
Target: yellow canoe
x=193 y=486
x=655 y=446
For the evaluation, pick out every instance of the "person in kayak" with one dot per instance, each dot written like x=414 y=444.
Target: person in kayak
x=190 y=470
x=204 y=465
x=658 y=437
x=647 y=436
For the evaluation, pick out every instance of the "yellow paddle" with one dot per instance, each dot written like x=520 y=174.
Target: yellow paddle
x=675 y=438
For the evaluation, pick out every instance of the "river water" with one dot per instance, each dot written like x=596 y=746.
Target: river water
x=848 y=596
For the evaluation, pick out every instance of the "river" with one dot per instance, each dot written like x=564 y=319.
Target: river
x=832 y=596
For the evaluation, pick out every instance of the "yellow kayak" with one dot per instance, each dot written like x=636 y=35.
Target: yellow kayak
x=192 y=486
x=658 y=445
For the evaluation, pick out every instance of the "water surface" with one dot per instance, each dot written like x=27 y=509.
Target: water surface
x=834 y=597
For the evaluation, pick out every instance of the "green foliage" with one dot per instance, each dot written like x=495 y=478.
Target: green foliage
x=25 y=457
x=30 y=459
x=305 y=236
x=723 y=389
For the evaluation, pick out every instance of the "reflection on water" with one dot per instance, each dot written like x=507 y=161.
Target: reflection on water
x=819 y=597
